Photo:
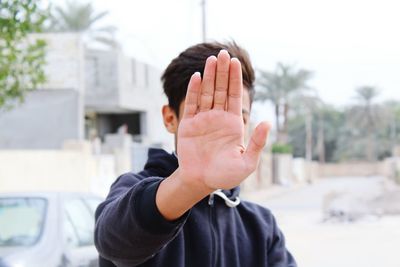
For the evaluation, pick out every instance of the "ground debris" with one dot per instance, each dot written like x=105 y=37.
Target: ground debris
x=351 y=206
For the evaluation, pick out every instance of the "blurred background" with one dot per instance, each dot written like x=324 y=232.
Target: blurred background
x=81 y=97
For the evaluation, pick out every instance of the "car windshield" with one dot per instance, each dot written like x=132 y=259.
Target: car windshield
x=21 y=220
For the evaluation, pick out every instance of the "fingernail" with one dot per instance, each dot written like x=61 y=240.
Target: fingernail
x=211 y=58
x=223 y=51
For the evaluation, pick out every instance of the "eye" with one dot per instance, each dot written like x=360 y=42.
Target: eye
x=244 y=120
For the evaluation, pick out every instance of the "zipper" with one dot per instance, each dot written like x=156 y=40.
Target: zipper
x=213 y=224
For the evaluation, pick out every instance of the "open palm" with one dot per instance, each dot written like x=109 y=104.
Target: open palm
x=211 y=133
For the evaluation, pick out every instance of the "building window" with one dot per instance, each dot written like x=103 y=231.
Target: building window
x=93 y=68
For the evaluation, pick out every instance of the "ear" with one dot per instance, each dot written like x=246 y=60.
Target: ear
x=170 y=119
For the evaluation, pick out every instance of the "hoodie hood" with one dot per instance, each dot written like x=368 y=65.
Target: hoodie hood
x=163 y=164
x=160 y=162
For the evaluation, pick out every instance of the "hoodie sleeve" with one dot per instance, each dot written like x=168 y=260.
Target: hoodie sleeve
x=129 y=227
x=278 y=255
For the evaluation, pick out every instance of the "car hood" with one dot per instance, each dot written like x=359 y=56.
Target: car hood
x=11 y=251
x=34 y=255
x=21 y=255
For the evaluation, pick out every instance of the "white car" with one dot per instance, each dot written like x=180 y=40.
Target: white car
x=47 y=230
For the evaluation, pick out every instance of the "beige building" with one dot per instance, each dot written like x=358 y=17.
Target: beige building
x=94 y=118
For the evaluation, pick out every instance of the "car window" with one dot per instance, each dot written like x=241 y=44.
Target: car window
x=79 y=223
x=21 y=220
x=70 y=235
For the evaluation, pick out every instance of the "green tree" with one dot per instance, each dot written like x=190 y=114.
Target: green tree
x=388 y=135
x=310 y=105
x=21 y=60
x=366 y=116
x=280 y=87
x=326 y=132
x=392 y=110
x=345 y=134
x=82 y=17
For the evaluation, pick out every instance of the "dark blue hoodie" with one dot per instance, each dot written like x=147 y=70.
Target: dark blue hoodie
x=130 y=231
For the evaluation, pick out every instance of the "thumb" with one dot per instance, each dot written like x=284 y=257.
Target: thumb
x=257 y=142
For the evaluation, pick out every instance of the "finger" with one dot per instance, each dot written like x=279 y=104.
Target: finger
x=191 y=100
x=256 y=145
x=208 y=83
x=221 y=80
x=235 y=90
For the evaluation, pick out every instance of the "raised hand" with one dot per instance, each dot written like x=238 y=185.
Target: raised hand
x=211 y=149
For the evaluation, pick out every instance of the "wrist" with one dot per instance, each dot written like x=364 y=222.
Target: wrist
x=176 y=195
x=192 y=187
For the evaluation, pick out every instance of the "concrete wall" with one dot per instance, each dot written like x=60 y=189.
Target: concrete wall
x=391 y=168
x=44 y=121
x=262 y=177
x=351 y=169
x=117 y=83
x=101 y=80
x=282 y=168
x=65 y=61
x=304 y=171
x=61 y=170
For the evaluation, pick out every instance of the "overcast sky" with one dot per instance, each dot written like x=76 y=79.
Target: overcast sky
x=347 y=43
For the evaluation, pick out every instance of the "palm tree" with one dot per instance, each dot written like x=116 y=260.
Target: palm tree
x=310 y=106
x=366 y=94
x=366 y=116
x=280 y=87
x=392 y=115
x=81 y=17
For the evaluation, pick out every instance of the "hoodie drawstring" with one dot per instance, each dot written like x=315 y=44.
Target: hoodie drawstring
x=230 y=203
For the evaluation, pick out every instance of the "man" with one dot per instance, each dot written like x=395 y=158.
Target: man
x=183 y=209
